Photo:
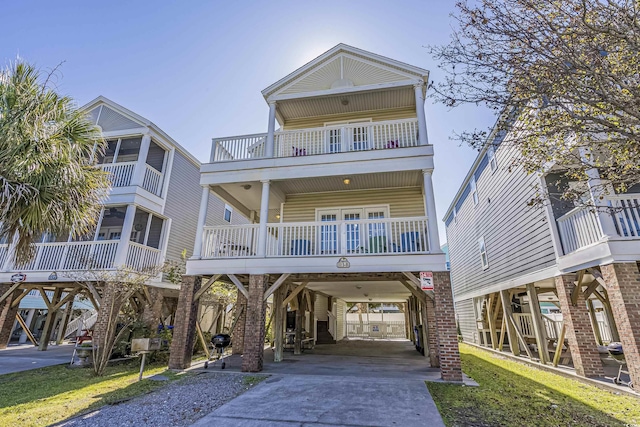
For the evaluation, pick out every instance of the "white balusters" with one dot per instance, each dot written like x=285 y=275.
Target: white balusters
x=121 y=174
x=239 y=147
x=141 y=257
x=152 y=180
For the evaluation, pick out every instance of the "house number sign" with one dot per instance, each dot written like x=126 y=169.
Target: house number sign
x=343 y=263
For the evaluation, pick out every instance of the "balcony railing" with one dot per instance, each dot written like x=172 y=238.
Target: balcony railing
x=365 y=237
x=78 y=256
x=152 y=180
x=121 y=174
x=324 y=140
x=580 y=227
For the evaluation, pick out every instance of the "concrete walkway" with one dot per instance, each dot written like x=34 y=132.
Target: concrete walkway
x=25 y=357
x=356 y=383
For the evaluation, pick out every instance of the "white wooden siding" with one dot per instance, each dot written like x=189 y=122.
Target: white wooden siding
x=321 y=308
x=517 y=236
x=466 y=320
x=403 y=202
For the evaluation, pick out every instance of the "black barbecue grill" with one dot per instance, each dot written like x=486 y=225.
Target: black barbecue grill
x=617 y=353
x=220 y=342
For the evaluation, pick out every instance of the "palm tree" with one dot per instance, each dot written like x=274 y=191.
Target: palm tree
x=48 y=183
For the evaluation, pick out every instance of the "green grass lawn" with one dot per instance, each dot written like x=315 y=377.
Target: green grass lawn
x=514 y=394
x=43 y=396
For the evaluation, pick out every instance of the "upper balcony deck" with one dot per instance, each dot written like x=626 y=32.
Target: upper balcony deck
x=334 y=139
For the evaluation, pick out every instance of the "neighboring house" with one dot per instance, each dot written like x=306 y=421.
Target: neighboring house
x=342 y=205
x=510 y=259
x=153 y=201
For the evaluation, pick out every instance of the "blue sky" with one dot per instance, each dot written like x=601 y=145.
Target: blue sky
x=196 y=69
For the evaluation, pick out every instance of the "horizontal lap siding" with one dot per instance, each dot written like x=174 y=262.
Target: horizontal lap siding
x=466 y=320
x=183 y=205
x=517 y=236
x=376 y=116
x=403 y=202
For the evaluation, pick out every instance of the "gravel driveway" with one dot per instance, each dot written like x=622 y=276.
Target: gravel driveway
x=178 y=404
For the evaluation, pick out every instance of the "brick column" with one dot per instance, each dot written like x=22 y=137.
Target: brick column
x=446 y=332
x=254 y=327
x=7 y=314
x=240 y=319
x=623 y=287
x=432 y=333
x=152 y=311
x=584 y=351
x=185 y=323
x=109 y=309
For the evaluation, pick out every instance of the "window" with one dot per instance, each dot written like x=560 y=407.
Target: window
x=227 y=213
x=474 y=190
x=493 y=163
x=483 y=254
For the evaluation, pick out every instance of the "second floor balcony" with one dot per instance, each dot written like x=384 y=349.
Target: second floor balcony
x=330 y=139
x=135 y=161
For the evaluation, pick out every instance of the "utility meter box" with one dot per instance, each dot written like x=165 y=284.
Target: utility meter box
x=145 y=344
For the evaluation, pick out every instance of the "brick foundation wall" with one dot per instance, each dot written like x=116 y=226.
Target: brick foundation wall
x=7 y=314
x=255 y=324
x=582 y=342
x=446 y=333
x=623 y=288
x=239 y=320
x=185 y=325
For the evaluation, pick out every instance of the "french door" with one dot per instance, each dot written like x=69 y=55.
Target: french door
x=353 y=236
x=354 y=138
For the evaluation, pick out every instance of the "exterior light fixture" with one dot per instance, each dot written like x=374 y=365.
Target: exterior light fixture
x=277 y=216
x=346 y=181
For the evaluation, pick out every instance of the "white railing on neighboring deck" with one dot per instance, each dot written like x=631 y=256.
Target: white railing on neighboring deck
x=323 y=140
x=61 y=256
x=141 y=257
x=382 y=329
x=626 y=214
x=578 y=228
x=152 y=180
x=293 y=239
x=230 y=241
x=121 y=174
x=524 y=321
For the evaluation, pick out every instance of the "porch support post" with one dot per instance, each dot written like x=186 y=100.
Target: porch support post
x=597 y=190
x=50 y=320
x=141 y=165
x=447 y=335
x=252 y=358
x=28 y=321
x=239 y=323
x=623 y=285
x=430 y=208
x=184 y=330
x=278 y=326
x=269 y=149
x=64 y=322
x=264 y=217
x=7 y=313
x=423 y=139
x=508 y=315
x=123 y=245
x=584 y=351
x=202 y=220
x=297 y=344
x=538 y=324
x=431 y=334
x=594 y=322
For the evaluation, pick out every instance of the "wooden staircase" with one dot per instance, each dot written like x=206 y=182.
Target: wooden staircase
x=324 y=337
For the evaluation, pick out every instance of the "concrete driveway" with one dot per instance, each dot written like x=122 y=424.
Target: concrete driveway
x=24 y=357
x=347 y=384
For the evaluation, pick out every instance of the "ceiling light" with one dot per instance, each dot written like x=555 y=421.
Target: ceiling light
x=277 y=216
x=344 y=101
x=366 y=295
x=346 y=181
x=247 y=186
x=358 y=286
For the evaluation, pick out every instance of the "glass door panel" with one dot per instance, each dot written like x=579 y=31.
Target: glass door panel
x=376 y=232
x=353 y=230
x=329 y=233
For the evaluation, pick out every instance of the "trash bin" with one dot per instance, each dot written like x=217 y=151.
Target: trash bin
x=417 y=331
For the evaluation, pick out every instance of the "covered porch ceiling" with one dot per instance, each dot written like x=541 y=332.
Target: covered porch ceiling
x=346 y=102
x=363 y=291
x=245 y=196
